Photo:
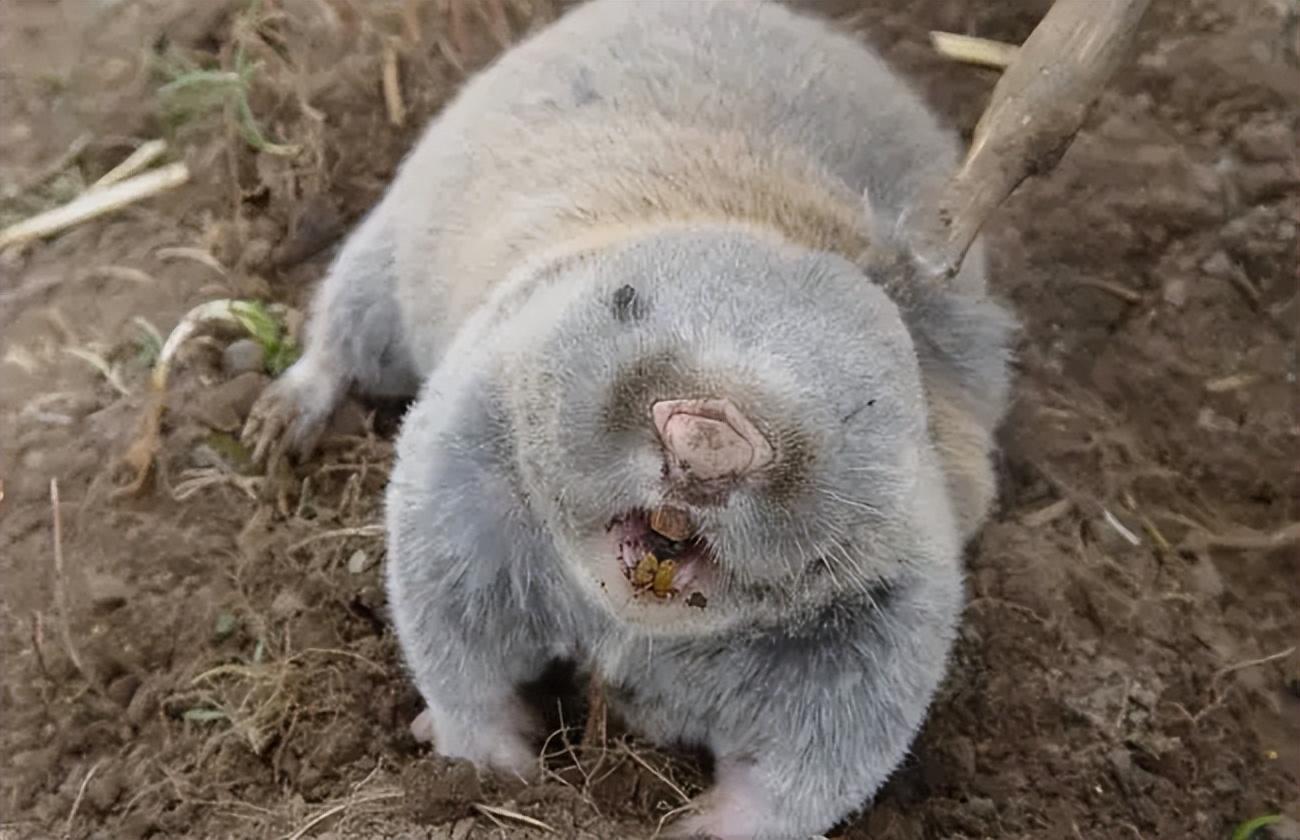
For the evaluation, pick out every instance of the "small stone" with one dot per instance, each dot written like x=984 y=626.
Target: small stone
x=358 y=562
x=104 y=791
x=257 y=253
x=223 y=407
x=287 y=604
x=1219 y=264
x=108 y=593
x=1175 y=292
x=1266 y=143
x=225 y=626
x=123 y=689
x=243 y=356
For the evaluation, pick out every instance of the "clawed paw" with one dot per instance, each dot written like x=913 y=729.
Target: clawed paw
x=291 y=414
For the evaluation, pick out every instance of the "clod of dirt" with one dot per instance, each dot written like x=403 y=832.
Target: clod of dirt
x=224 y=407
x=287 y=604
x=439 y=790
x=243 y=356
x=104 y=790
x=122 y=690
x=107 y=592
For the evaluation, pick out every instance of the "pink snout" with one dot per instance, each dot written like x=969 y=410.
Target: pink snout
x=710 y=438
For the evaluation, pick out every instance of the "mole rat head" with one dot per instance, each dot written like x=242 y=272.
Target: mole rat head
x=715 y=425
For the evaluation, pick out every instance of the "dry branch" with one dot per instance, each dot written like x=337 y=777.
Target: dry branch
x=1036 y=108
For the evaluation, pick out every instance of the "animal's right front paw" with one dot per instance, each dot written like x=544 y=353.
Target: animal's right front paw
x=495 y=742
x=292 y=412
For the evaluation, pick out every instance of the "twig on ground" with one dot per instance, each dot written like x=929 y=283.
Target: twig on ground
x=90 y=205
x=1246 y=541
x=972 y=50
x=136 y=162
x=339 y=808
x=76 y=803
x=61 y=589
x=197 y=255
x=393 y=88
x=1124 y=293
x=359 y=531
x=1251 y=663
x=54 y=167
x=491 y=811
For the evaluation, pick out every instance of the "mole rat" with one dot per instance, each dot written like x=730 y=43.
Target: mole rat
x=628 y=270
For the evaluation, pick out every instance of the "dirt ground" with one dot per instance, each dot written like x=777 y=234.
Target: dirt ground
x=209 y=656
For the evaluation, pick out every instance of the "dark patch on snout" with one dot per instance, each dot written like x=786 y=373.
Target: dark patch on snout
x=787 y=477
x=627 y=305
x=638 y=386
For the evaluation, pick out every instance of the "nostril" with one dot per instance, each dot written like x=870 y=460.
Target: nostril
x=710 y=438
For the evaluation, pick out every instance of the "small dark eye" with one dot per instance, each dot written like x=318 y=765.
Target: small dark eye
x=627 y=306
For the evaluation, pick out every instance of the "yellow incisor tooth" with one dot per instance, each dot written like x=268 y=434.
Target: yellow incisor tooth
x=673 y=523
x=663 y=581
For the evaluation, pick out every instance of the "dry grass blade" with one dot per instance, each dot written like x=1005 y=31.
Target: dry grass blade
x=1252 y=663
x=62 y=162
x=61 y=588
x=76 y=803
x=1037 y=107
x=90 y=205
x=972 y=50
x=506 y=814
x=393 y=88
x=324 y=815
x=136 y=162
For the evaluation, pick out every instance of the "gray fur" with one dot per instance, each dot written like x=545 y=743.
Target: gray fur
x=659 y=200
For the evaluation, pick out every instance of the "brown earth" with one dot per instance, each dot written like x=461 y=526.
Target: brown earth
x=209 y=664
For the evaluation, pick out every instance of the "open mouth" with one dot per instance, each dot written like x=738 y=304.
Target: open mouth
x=662 y=557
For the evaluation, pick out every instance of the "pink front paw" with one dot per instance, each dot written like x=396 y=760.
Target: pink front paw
x=734 y=809
x=495 y=742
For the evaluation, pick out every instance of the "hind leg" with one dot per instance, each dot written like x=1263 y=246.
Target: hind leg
x=354 y=340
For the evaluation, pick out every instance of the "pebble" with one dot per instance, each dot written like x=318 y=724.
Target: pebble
x=358 y=562
x=1175 y=292
x=107 y=592
x=287 y=604
x=1265 y=143
x=223 y=407
x=243 y=356
x=1218 y=264
x=122 y=690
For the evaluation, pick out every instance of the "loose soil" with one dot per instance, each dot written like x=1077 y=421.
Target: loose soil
x=215 y=658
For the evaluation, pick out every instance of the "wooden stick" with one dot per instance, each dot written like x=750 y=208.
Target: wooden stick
x=1037 y=107
x=972 y=50
x=94 y=203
